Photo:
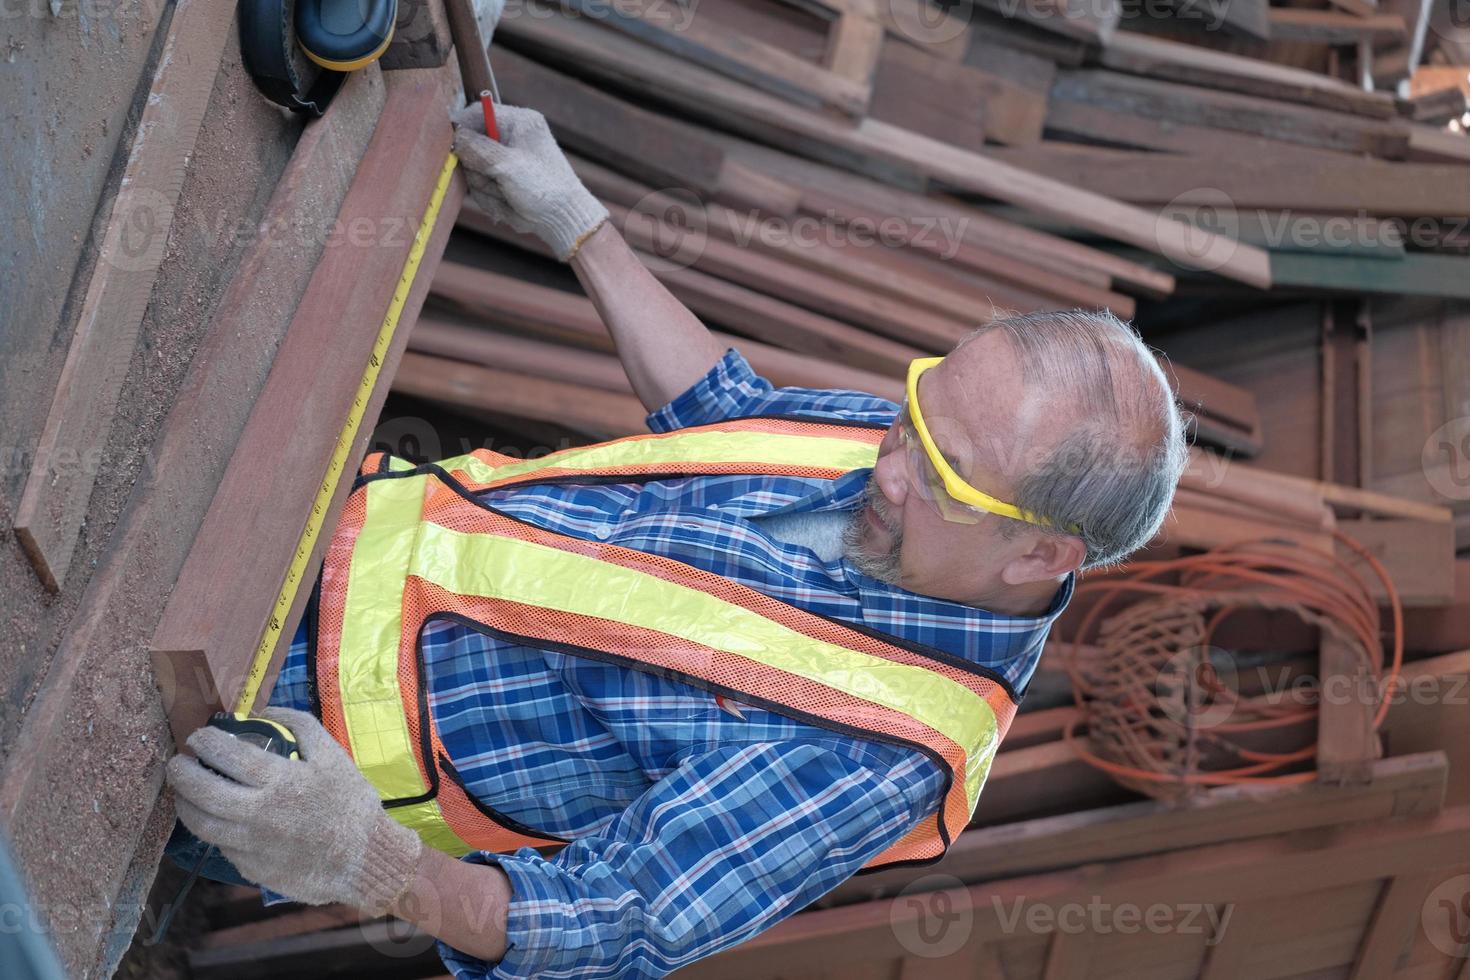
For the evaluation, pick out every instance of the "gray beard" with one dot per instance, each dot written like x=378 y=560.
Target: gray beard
x=886 y=567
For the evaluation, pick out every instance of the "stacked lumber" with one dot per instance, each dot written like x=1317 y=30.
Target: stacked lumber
x=837 y=187
x=744 y=174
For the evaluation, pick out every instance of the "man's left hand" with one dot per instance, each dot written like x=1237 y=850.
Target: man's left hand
x=312 y=828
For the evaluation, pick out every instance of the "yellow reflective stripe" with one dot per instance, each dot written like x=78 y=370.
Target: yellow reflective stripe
x=425 y=819
x=685 y=449
x=537 y=575
x=372 y=623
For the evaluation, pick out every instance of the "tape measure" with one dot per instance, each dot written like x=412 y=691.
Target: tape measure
x=296 y=573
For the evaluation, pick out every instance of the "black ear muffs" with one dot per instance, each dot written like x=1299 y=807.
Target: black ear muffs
x=343 y=35
x=275 y=63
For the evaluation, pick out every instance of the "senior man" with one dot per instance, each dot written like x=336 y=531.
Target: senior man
x=660 y=694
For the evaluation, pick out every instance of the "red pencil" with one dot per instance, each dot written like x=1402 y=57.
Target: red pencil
x=491 y=130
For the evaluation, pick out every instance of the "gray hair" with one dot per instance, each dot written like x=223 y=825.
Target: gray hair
x=1113 y=475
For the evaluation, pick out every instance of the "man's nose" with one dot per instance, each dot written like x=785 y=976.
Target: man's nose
x=891 y=475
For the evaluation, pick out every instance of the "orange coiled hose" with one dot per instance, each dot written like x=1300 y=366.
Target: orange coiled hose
x=1159 y=717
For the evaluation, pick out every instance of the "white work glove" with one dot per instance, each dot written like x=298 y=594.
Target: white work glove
x=524 y=180
x=312 y=829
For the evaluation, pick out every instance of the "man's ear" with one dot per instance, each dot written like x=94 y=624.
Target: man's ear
x=1048 y=558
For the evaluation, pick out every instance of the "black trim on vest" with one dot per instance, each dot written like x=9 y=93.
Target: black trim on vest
x=313 y=622
x=933 y=653
x=426 y=743
x=489 y=812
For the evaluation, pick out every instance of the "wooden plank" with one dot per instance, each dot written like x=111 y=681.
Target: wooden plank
x=1417 y=273
x=706 y=95
x=1227 y=958
x=1237 y=17
x=1419 y=556
x=421 y=37
x=951 y=246
x=1069 y=957
x=864 y=262
x=1409 y=784
x=603 y=414
x=854 y=44
x=1094 y=22
x=470 y=50
x=885 y=314
x=823 y=188
x=942 y=33
x=313 y=919
x=54 y=500
x=928 y=95
x=1346 y=742
x=522 y=355
x=1434 y=145
x=1015 y=86
x=372 y=951
x=1395 y=917
x=819 y=184
x=1275 y=869
x=1436 y=107
x=239 y=326
x=1249 y=114
x=1087 y=123
x=1205 y=521
x=1350 y=185
x=678 y=31
x=1331 y=27
x=1157 y=57
x=571 y=318
x=784 y=325
x=216 y=616
x=1205 y=394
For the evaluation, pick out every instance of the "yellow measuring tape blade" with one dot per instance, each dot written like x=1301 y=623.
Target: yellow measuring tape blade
x=296 y=573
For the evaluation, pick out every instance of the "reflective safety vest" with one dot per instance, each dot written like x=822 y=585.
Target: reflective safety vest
x=415 y=544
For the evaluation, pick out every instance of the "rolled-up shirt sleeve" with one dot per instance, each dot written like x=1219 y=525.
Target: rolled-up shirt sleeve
x=731 y=390
x=725 y=846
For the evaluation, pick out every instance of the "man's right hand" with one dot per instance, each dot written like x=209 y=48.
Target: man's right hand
x=524 y=180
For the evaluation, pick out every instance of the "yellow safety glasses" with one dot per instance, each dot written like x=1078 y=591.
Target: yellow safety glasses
x=937 y=482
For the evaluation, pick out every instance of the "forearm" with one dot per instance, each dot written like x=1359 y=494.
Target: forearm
x=460 y=903
x=663 y=346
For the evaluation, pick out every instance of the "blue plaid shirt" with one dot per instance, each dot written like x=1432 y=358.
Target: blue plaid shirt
x=691 y=829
